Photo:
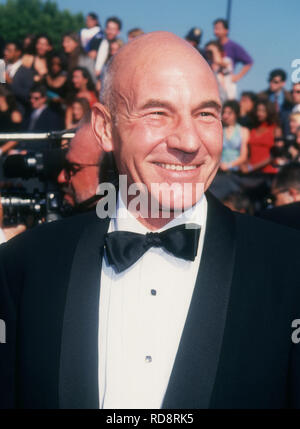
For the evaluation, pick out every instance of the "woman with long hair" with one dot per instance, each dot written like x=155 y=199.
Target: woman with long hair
x=75 y=55
x=235 y=138
x=80 y=109
x=38 y=61
x=56 y=79
x=82 y=87
x=262 y=137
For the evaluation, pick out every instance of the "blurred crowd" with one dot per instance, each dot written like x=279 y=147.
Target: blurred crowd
x=51 y=90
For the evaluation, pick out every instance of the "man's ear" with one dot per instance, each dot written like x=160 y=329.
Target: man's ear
x=102 y=126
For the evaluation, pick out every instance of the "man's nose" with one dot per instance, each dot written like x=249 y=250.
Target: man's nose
x=61 y=178
x=185 y=137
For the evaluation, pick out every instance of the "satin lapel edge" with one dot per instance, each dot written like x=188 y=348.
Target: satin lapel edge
x=195 y=367
x=78 y=379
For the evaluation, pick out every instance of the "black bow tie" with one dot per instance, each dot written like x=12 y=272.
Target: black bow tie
x=124 y=248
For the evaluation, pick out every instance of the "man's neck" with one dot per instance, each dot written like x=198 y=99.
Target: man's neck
x=223 y=40
x=40 y=108
x=278 y=92
x=154 y=224
x=155 y=221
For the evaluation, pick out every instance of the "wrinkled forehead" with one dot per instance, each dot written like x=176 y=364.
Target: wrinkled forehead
x=165 y=74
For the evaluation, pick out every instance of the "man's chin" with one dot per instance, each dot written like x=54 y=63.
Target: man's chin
x=69 y=200
x=180 y=200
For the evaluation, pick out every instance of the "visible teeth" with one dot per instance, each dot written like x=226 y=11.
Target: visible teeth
x=177 y=167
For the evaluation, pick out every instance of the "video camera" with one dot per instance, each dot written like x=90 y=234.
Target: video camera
x=19 y=206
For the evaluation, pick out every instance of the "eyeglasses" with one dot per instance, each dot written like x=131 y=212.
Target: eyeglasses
x=72 y=168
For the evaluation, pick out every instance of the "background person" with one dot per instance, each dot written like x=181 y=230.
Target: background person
x=79 y=178
x=38 y=61
x=279 y=96
x=296 y=97
x=235 y=138
x=232 y=49
x=223 y=68
x=91 y=36
x=113 y=28
x=262 y=137
x=286 y=197
x=80 y=109
x=82 y=87
x=247 y=105
x=75 y=55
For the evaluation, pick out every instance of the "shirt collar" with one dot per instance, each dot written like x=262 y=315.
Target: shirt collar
x=13 y=68
x=125 y=221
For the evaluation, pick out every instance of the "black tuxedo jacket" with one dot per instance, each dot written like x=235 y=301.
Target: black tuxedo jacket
x=236 y=349
x=288 y=215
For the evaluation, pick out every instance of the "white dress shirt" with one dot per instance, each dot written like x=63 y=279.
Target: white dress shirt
x=13 y=68
x=86 y=34
x=36 y=113
x=102 y=55
x=296 y=108
x=141 y=318
x=2 y=236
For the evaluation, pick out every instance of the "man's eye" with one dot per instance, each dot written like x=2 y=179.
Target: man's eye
x=157 y=113
x=206 y=114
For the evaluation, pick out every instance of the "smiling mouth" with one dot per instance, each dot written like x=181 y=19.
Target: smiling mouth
x=176 y=167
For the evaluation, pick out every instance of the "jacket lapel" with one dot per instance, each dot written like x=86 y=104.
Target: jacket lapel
x=194 y=371
x=78 y=382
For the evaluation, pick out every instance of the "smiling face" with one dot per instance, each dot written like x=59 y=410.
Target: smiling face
x=42 y=46
x=69 y=45
x=78 y=80
x=261 y=112
x=112 y=30
x=167 y=122
x=229 y=116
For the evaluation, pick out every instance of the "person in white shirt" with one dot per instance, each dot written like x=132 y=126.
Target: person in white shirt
x=91 y=36
x=92 y=28
x=113 y=28
x=12 y=56
x=154 y=109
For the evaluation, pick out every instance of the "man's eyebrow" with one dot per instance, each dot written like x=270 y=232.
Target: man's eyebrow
x=155 y=103
x=213 y=104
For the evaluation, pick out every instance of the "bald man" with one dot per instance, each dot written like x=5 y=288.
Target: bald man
x=79 y=178
x=173 y=301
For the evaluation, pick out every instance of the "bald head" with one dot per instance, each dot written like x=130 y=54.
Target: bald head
x=153 y=50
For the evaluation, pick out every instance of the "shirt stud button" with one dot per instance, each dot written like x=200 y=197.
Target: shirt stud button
x=153 y=292
x=148 y=359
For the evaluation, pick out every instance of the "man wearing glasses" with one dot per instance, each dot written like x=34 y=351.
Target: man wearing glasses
x=42 y=118
x=80 y=176
x=279 y=96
